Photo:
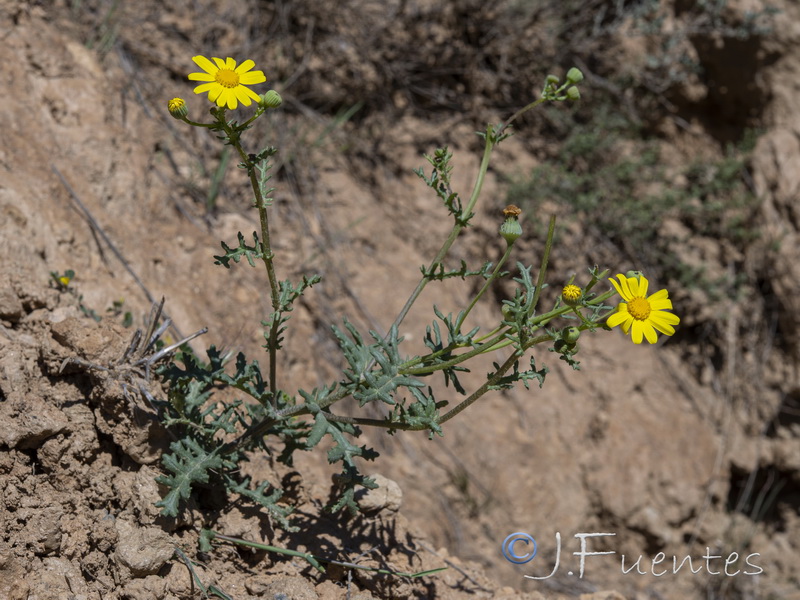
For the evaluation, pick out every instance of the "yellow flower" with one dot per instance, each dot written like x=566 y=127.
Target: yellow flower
x=226 y=83
x=641 y=315
x=571 y=294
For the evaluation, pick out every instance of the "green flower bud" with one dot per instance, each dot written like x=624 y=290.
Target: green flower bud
x=637 y=274
x=573 y=93
x=563 y=347
x=177 y=108
x=271 y=99
x=551 y=80
x=570 y=335
x=511 y=229
x=574 y=75
x=508 y=313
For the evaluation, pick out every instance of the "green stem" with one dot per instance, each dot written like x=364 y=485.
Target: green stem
x=518 y=114
x=481 y=390
x=477 y=394
x=579 y=314
x=266 y=253
x=504 y=368
x=548 y=246
x=499 y=341
x=492 y=137
x=463 y=316
x=310 y=558
x=489 y=334
x=476 y=190
x=195 y=124
x=383 y=423
x=315 y=560
x=494 y=344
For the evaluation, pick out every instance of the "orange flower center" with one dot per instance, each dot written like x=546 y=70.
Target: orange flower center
x=639 y=308
x=227 y=78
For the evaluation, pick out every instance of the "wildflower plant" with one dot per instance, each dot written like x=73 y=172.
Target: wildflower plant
x=213 y=437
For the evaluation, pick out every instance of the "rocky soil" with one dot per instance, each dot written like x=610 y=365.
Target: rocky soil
x=690 y=448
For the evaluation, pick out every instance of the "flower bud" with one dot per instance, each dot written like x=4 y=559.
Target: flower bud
x=511 y=229
x=573 y=93
x=177 y=108
x=574 y=75
x=271 y=99
x=551 y=80
x=636 y=274
x=570 y=335
x=508 y=312
x=571 y=295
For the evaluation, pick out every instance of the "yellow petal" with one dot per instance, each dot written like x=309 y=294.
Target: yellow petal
x=241 y=96
x=665 y=329
x=622 y=318
x=626 y=326
x=215 y=93
x=245 y=67
x=205 y=87
x=637 y=331
x=245 y=95
x=629 y=287
x=633 y=286
x=618 y=318
x=667 y=317
x=252 y=78
x=649 y=332
x=201 y=77
x=659 y=295
x=660 y=304
x=664 y=321
x=205 y=64
x=228 y=97
x=621 y=287
x=642 y=285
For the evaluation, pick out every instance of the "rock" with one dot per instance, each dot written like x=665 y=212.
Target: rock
x=56 y=579
x=13 y=584
x=602 y=596
x=142 y=551
x=387 y=496
x=151 y=587
x=180 y=582
x=43 y=531
x=28 y=421
x=288 y=588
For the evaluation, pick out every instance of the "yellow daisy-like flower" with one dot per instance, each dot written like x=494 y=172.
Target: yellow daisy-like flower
x=226 y=83
x=641 y=315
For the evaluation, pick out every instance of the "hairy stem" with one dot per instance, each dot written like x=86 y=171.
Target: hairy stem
x=266 y=255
